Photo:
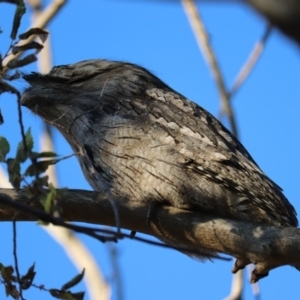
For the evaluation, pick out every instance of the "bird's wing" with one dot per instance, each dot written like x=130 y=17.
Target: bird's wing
x=207 y=148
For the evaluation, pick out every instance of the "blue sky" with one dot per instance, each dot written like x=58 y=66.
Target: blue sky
x=157 y=36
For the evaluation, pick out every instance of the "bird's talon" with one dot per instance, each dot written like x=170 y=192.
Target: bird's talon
x=255 y=277
x=239 y=265
x=151 y=209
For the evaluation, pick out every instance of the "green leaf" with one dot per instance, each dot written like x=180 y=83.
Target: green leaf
x=29 y=139
x=1 y=117
x=74 y=281
x=78 y=295
x=27 y=279
x=43 y=181
x=6 y=272
x=4 y=148
x=11 y=290
x=20 y=11
x=42 y=34
x=49 y=199
x=38 y=167
x=44 y=154
x=17 y=63
x=5 y=87
x=14 y=172
x=66 y=295
x=28 y=46
x=21 y=155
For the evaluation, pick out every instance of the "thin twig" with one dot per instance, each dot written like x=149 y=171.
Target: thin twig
x=250 y=62
x=113 y=254
x=20 y=119
x=16 y=258
x=201 y=35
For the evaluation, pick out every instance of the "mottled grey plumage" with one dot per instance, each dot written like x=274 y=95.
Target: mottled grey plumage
x=136 y=137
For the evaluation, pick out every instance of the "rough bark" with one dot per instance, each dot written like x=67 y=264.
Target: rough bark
x=266 y=246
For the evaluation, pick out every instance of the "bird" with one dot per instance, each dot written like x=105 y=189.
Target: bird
x=135 y=137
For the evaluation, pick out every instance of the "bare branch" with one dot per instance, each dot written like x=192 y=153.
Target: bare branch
x=208 y=53
x=117 y=276
x=15 y=255
x=251 y=62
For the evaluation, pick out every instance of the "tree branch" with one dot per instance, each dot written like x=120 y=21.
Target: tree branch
x=251 y=61
x=202 y=37
x=267 y=247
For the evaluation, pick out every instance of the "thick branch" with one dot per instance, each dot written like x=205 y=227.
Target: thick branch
x=267 y=247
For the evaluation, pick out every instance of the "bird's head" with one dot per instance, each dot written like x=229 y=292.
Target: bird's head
x=87 y=87
x=76 y=84
x=76 y=97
